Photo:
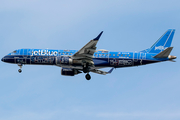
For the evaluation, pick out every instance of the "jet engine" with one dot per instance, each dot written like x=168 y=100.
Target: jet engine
x=69 y=71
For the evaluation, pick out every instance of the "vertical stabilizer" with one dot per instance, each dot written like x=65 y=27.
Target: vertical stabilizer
x=163 y=42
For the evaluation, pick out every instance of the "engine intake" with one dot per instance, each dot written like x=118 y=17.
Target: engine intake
x=69 y=71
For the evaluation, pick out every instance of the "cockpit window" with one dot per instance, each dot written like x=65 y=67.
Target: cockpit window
x=14 y=51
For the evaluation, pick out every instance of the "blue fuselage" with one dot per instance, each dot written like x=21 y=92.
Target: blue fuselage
x=102 y=58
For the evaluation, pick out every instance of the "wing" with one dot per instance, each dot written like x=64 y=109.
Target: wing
x=86 y=52
x=102 y=72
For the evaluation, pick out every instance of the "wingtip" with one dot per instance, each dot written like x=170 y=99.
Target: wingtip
x=111 y=70
x=97 y=38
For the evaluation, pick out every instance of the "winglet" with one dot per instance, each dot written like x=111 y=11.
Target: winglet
x=110 y=70
x=97 y=38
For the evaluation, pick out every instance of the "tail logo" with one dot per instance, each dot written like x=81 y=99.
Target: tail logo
x=160 y=48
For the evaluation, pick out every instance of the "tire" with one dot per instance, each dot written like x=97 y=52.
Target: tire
x=88 y=77
x=19 y=70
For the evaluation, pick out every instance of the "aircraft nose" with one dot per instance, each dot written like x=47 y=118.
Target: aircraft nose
x=2 y=59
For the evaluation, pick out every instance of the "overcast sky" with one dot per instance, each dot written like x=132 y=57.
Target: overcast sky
x=149 y=92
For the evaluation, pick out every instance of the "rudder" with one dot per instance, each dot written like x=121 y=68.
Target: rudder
x=163 y=42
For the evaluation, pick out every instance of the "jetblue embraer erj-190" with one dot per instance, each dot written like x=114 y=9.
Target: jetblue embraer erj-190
x=88 y=59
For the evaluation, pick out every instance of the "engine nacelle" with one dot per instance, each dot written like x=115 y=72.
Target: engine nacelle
x=63 y=60
x=69 y=71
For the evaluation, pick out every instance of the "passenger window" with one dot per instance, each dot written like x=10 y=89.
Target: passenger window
x=129 y=55
x=113 y=54
x=59 y=53
x=121 y=54
x=117 y=54
x=125 y=55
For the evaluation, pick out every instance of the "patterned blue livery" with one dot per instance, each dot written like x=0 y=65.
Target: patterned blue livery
x=88 y=59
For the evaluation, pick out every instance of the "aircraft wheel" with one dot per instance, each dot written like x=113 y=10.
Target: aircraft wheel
x=88 y=77
x=19 y=70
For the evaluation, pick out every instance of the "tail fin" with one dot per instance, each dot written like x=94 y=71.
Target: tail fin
x=163 y=42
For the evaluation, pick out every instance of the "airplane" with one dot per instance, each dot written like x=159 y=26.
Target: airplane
x=88 y=59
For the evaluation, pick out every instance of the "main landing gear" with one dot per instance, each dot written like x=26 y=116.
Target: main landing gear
x=86 y=70
x=20 y=65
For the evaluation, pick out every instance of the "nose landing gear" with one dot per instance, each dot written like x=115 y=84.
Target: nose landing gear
x=88 y=77
x=19 y=70
x=20 y=65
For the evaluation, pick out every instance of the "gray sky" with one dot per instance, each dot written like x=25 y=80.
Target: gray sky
x=41 y=93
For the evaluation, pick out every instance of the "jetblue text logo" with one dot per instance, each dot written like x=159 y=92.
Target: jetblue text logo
x=45 y=52
x=160 y=48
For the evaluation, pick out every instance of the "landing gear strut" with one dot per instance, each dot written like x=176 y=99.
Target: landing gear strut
x=86 y=67
x=20 y=65
x=86 y=70
x=88 y=77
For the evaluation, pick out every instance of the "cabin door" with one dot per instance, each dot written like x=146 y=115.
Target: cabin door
x=29 y=53
x=135 y=57
x=142 y=57
x=20 y=59
x=25 y=55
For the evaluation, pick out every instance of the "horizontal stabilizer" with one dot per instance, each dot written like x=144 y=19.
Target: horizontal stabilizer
x=172 y=60
x=165 y=53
